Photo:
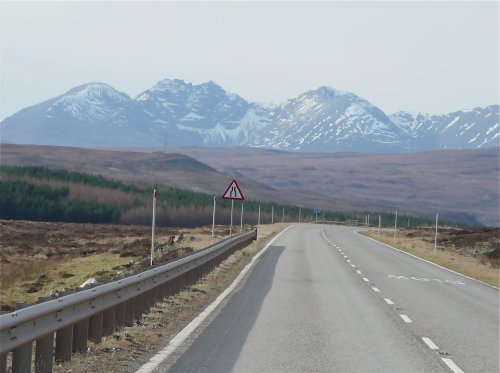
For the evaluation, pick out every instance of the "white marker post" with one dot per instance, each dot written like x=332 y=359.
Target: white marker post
x=436 y=235
x=241 y=224
x=213 y=223
x=368 y=220
x=258 y=224
x=300 y=210
x=272 y=214
x=395 y=225
x=153 y=228
x=283 y=216
x=379 y=225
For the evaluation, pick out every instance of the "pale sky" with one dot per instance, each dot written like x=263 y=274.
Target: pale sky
x=433 y=57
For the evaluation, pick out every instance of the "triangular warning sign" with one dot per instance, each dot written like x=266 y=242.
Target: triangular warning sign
x=233 y=191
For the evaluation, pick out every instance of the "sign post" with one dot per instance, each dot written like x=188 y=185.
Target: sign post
x=153 y=228
x=233 y=192
x=241 y=224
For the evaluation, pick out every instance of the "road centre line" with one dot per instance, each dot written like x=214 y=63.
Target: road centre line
x=181 y=337
x=454 y=367
x=429 y=343
x=365 y=279
x=388 y=301
x=376 y=290
x=405 y=318
x=348 y=261
x=359 y=272
x=353 y=266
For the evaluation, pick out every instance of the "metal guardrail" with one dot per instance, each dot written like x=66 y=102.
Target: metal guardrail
x=89 y=314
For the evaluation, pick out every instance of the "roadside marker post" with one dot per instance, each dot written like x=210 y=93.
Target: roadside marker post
x=272 y=214
x=379 y=225
x=258 y=224
x=395 y=225
x=283 y=216
x=153 y=228
x=233 y=192
x=213 y=223
x=436 y=235
x=300 y=210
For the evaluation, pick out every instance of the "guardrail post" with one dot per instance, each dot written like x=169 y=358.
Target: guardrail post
x=120 y=315
x=108 y=322
x=129 y=312
x=44 y=354
x=146 y=301
x=3 y=363
x=138 y=307
x=95 y=327
x=64 y=342
x=22 y=356
x=80 y=336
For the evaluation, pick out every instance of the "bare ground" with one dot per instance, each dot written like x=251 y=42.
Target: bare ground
x=39 y=257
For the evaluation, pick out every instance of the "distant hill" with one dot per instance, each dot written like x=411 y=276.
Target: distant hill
x=176 y=113
x=459 y=185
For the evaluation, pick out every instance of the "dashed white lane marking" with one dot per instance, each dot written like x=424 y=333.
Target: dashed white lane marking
x=388 y=301
x=376 y=290
x=365 y=279
x=345 y=256
x=353 y=266
x=406 y=318
x=429 y=343
x=348 y=261
x=186 y=332
x=359 y=272
x=454 y=367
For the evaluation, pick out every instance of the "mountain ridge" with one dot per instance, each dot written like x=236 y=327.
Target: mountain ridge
x=175 y=113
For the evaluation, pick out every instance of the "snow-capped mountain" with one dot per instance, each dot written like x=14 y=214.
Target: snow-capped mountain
x=177 y=113
x=475 y=128
x=202 y=114
x=326 y=119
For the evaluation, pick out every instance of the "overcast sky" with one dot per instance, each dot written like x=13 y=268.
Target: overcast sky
x=434 y=57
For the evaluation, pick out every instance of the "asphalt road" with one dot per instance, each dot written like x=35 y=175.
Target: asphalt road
x=325 y=299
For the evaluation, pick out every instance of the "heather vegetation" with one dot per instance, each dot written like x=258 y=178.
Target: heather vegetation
x=43 y=194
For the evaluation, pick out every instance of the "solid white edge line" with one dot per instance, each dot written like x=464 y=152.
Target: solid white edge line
x=388 y=301
x=376 y=290
x=429 y=343
x=427 y=261
x=405 y=318
x=177 y=341
x=451 y=364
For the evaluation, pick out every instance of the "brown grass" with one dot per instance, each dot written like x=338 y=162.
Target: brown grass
x=468 y=265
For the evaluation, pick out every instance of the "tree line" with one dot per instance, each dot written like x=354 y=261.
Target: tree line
x=43 y=194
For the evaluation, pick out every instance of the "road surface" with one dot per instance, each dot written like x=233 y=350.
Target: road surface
x=325 y=299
